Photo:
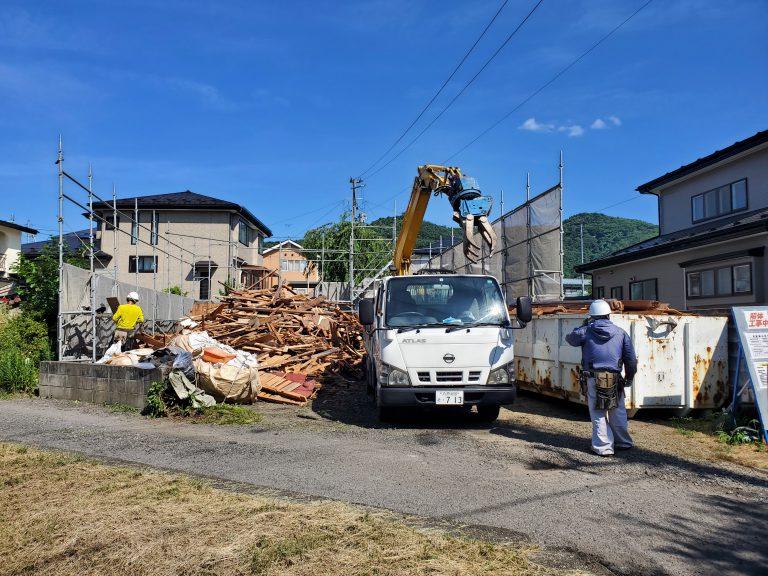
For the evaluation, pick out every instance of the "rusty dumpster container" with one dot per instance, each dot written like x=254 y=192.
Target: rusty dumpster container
x=682 y=359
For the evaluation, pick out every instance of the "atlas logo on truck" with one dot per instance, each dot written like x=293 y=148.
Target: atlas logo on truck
x=437 y=338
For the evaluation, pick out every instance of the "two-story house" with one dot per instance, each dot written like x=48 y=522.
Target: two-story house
x=10 y=248
x=189 y=240
x=713 y=232
x=287 y=263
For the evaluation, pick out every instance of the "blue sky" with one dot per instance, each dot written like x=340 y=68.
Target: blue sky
x=275 y=105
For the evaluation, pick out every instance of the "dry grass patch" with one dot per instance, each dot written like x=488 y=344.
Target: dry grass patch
x=60 y=514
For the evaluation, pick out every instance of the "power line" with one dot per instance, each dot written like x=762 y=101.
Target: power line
x=533 y=94
x=439 y=91
x=463 y=89
x=548 y=82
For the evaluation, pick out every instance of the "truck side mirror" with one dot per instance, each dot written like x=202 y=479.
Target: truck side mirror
x=524 y=309
x=365 y=311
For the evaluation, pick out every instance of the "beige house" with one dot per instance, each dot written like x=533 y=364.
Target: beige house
x=184 y=239
x=10 y=249
x=713 y=232
x=286 y=262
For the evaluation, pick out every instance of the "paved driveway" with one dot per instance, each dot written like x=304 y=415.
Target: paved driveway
x=643 y=512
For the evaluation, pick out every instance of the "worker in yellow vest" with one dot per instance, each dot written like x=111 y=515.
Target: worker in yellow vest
x=127 y=316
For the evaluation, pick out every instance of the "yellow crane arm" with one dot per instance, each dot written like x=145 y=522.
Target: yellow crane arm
x=430 y=179
x=470 y=210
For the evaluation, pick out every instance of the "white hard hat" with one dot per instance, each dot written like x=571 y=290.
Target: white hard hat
x=135 y=297
x=599 y=308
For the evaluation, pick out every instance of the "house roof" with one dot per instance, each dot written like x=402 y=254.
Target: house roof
x=188 y=200
x=15 y=226
x=734 y=226
x=281 y=244
x=74 y=241
x=701 y=163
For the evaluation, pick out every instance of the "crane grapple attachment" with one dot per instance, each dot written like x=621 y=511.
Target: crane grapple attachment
x=470 y=211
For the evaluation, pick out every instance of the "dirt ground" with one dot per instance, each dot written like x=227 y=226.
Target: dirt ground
x=658 y=431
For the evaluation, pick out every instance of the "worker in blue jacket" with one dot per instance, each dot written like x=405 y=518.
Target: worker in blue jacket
x=605 y=350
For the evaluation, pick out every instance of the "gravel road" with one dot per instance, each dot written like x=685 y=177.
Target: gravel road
x=643 y=512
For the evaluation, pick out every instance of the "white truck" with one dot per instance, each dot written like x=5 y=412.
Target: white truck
x=440 y=340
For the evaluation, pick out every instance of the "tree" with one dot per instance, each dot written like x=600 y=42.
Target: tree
x=372 y=250
x=39 y=281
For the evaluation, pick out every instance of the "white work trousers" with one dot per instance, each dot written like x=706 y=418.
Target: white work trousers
x=608 y=426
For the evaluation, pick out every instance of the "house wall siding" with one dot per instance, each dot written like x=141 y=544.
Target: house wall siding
x=671 y=277
x=10 y=248
x=675 y=201
x=189 y=229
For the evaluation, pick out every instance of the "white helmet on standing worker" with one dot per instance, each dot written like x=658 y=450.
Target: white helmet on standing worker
x=599 y=308
x=134 y=296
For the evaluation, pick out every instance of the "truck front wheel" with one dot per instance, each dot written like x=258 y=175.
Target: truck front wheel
x=488 y=413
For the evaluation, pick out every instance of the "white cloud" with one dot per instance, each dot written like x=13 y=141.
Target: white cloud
x=573 y=131
x=599 y=124
x=615 y=120
x=533 y=126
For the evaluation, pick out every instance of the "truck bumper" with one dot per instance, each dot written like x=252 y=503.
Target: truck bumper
x=425 y=395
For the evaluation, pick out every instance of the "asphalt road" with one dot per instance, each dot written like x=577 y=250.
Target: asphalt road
x=638 y=513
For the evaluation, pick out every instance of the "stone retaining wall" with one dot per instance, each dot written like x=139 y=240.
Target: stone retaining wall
x=97 y=383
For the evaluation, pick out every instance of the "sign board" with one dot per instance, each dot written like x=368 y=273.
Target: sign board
x=752 y=325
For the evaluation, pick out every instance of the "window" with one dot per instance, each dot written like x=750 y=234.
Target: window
x=600 y=292
x=643 y=290
x=260 y=243
x=146 y=264
x=243 y=234
x=293 y=265
x=108 y=221
x=723 y=281
x=720 y=201
x=617 y=292
x=134 y=232
x=155 y=228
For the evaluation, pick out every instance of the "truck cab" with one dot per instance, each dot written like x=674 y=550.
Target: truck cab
x=440 y=340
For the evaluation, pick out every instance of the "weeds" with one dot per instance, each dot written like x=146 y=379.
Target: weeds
x=156 y=407
x=226 y=414
x=118 y=408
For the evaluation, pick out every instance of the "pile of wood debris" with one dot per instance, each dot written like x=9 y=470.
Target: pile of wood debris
x=300 y=341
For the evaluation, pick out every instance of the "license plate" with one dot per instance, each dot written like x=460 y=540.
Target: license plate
x=449 y=397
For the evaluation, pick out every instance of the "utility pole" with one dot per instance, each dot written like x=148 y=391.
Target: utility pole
x=356 y=183
x=501 y=204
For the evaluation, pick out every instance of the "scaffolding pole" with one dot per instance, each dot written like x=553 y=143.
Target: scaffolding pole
x=562 y=251
x=115 y=259
x=136 y=241
x=60 y=318
x=92 y=279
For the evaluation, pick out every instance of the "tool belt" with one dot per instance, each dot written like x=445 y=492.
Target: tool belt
x=607 y=387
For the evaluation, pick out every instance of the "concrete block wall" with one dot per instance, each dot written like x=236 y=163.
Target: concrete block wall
x=97 y=383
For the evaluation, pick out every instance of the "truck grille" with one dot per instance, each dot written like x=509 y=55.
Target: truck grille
x=474 y=375
x=445 y=376
x=423 y=376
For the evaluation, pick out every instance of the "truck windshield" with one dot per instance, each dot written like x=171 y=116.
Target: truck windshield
x=444 y=300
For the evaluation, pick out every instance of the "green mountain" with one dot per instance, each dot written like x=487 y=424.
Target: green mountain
x=430 y=232
x=602 y=235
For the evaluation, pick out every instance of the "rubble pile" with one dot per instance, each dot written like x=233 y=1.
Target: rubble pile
x=646 y=307
x=298 y=340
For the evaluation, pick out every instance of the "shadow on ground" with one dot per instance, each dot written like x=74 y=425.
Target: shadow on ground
x=349 y=403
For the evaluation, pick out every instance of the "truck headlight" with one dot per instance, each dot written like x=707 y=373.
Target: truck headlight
x=499 y=376
x=395 y=377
